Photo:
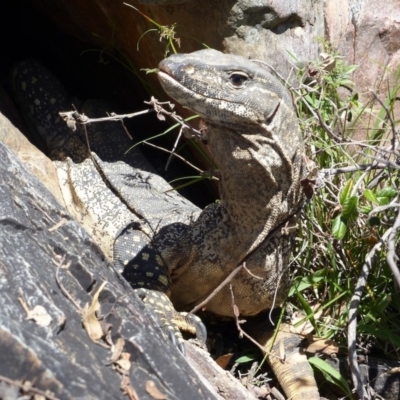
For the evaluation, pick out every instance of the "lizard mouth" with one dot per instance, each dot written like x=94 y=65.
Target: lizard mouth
x=171 y=85
x=164 y=72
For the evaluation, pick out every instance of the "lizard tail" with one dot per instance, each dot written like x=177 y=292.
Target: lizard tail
x=291 y=367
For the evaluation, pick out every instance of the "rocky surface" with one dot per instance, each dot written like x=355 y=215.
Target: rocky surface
x=365 y=32
x=49 y=270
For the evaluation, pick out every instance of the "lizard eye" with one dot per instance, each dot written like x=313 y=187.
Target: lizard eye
x=237 y=78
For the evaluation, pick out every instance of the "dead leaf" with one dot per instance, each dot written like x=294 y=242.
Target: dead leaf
x=125 y=365
x=152 y=390
x=323 y=346
x=223 y=361
x=89 y=319
x=27 y=386
x=40 y=315
x=328 y=62
x=57 y=225
x=117 y=349
x=128 y=389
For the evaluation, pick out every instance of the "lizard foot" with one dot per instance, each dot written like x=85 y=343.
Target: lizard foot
x=171 y=321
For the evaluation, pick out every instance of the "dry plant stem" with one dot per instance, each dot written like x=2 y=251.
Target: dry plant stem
x=250 y=273
x=352 y=327
x=388 y=163
x=277 y=394
x=392 y=257
x=178 y=156
x=174 y=149
x=83 y=119
x=242 y=332
x=61 y=286
x=44 y=212
x=76 y=117
x=383 y=208
x=390 y=119
x=326 y=128
x=218 y=288
x=360 y=181
x=353 y=168
x=159 y=110
x=31 y=389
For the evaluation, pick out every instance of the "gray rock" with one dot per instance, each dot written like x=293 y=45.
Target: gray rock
x=59 y=356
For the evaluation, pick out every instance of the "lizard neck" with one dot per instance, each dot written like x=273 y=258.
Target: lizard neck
x=259 y=178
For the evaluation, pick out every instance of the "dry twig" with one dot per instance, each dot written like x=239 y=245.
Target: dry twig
x=242 y=333
x=61 y=286
x=352 y=327
x=392 y=257
x=218 y=288
x=27 y=388
x=389 y=116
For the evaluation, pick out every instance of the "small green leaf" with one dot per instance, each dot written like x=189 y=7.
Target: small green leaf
x=366 y=209
x=339 y=228
x=383 y=201
x=350 y=209
x=385 y=195
x=346 y=191
x=309 y=311
x=331 y=374
x=369 y=195
x=387 y=191
x=307 y=281
x=245 y=359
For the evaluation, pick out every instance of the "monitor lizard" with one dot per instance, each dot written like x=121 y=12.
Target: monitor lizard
x=172 y=253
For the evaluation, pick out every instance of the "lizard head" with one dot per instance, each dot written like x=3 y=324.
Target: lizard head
x=224 y=89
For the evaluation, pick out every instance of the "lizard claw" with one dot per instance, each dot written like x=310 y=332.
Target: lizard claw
x=171 y=321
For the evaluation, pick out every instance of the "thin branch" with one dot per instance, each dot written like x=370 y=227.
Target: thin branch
x=286 y=80
x=352 y=327
x=353 y=168
x=74 y=117
x=242 y=333
x=26 y=388
x=327 y=128
x=383 y=208
x=161 y=111
x=44 y=212
x=180 y=157
x=389 y=163
x=250 y=273
x=174 y=149
x=390 y=119
x=61 y=286
x=218 y=288
x=392 y=257
x=321 y=121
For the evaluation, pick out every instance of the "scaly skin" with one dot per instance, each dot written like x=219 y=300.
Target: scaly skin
x=161 y=243
x=255 y=141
